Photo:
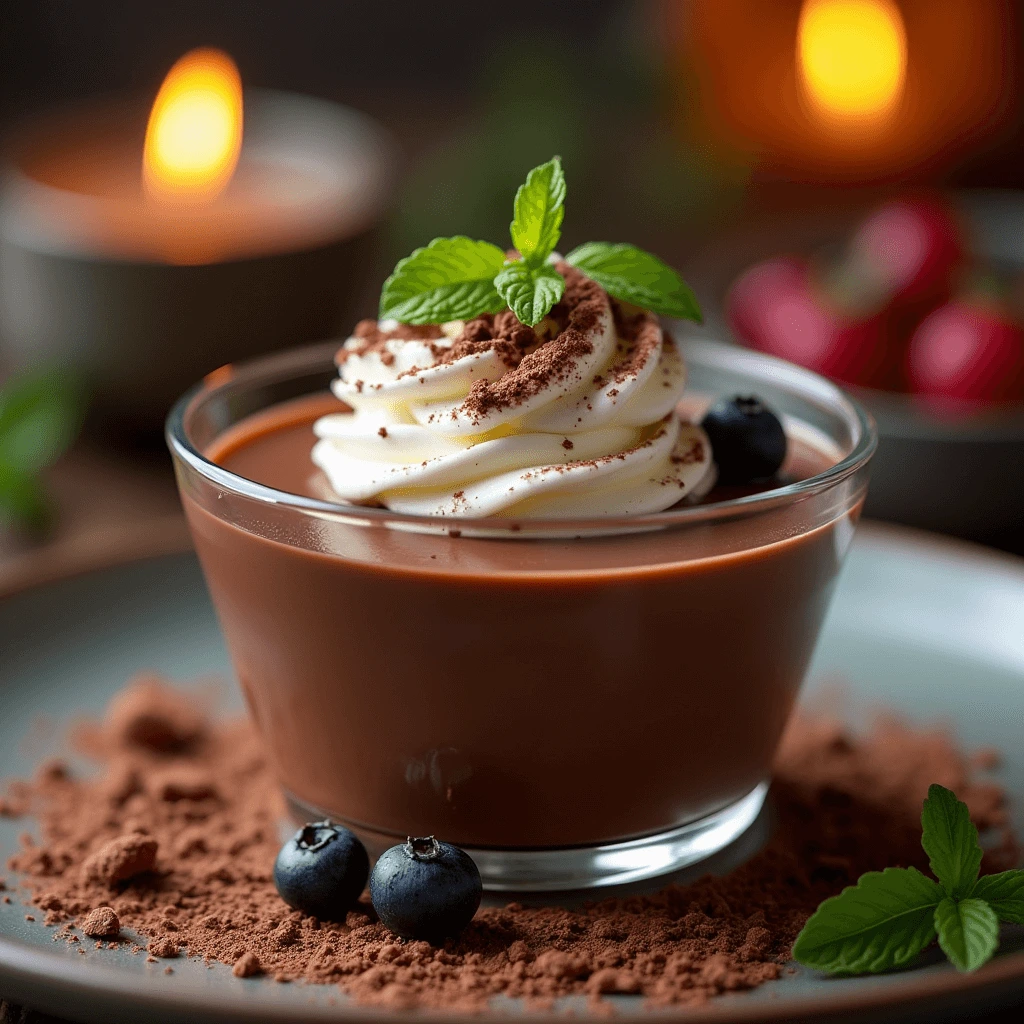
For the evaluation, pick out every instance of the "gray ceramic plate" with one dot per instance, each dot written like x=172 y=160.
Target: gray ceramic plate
x=932 y=627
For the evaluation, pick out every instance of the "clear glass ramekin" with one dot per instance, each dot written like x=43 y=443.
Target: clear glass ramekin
x=576 y=702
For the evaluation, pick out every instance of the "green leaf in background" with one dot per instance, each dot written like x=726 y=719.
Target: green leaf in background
x=882 y=922
x=951 y=841
x=539 y=209
x=23 y=502
x=968 y=932
x=636 y=276
x=1004 y=893
x=40 y=415
x=530 y=291
x=450 y=279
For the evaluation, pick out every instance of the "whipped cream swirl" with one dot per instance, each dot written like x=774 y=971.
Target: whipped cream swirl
x=575 y=418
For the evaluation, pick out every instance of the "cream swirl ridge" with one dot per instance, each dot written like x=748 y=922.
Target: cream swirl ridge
x=574 y=418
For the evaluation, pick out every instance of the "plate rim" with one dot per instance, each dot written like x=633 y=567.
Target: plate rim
x=28 y=971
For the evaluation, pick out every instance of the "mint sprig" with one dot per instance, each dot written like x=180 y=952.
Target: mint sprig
x=951 y=842
x=539 y=209
x=458 y=278
x=882 y=922
x=632 y=275
x=1004 y=893
x=450 y=279
x=968 y=932
x=40 y=415
x=890 y=916
x=530 y=291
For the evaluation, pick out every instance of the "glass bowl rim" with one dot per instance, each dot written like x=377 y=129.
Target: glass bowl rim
x=289 y=363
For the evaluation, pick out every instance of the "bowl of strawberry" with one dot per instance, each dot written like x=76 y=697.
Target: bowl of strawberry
x=920 y=314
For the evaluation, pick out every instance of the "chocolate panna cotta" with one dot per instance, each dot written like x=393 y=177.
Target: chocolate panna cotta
x=423 y=889
x=322 y=870
x=747 y=438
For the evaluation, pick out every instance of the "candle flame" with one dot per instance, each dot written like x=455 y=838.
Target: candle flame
x=852 y=56
x=194 y=134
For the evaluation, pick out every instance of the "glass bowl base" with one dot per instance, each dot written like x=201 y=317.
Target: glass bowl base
x=565 y=869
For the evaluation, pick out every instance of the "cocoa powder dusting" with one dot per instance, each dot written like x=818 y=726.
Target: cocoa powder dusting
x=844 y=804
x=582 y=305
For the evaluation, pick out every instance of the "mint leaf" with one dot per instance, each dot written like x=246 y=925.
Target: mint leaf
x=40 y=415
x=23 y=502
x=968 y=932
x=951 y=841
x=632 y=275
x=450 y=279
x=1004 y=893
x=539 y=209
x=530 y=291
x=882 y=922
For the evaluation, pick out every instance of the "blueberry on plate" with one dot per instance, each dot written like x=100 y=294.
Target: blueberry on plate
x=424 y=889
x=322 y=870
x=747 y=439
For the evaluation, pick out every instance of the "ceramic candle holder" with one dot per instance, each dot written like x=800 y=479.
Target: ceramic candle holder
x=141 y=298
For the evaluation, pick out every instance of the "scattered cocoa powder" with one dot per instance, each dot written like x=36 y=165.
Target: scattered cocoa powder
x=163 y=947
x=246 y=966
x=101 y=923
x=120 y=859
x=843 y=804
x=148 y=714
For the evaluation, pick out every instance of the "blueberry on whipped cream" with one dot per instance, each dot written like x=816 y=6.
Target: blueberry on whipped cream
x=749 y=440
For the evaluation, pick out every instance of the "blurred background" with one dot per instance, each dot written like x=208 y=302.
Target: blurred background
x=839 y=180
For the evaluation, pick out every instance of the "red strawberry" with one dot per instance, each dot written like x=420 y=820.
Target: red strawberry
x=775 y=308
x=967 y=352
x=905 y=253
x=754 y=290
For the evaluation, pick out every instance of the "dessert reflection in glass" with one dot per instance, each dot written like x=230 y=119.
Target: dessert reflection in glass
x=490 y=590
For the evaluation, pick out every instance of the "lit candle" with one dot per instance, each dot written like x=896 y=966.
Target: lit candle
x=149 y=245
x=844 y=90
x=852 y=56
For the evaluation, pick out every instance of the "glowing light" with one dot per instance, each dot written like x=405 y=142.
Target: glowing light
x=194 y=134
x=852 y=56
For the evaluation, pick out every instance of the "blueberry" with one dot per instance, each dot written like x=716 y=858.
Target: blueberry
x=424 y=889
x=747 y=439
x=322 y=870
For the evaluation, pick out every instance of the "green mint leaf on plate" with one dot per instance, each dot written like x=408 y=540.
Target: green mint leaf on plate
x=1004 y=893
x=450 y=279
x=40 y=415
x=632 y=275
x=968 y=932
x=539 y=209
x=530 y=291
x=951 y=842
x=882 y=922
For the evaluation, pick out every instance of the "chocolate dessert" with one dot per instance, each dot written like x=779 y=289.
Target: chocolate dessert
x=488 y=590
